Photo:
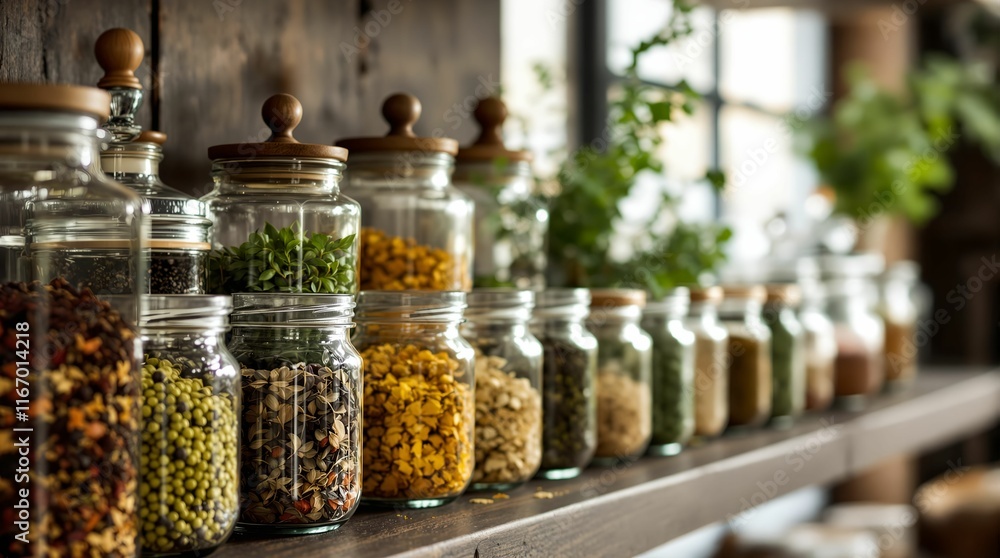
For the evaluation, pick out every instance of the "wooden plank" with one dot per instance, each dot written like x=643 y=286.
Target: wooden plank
x=220 y=60
x=631 y=509
x=53 y=41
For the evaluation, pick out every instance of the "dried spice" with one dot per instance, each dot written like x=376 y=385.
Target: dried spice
x=749 y=378
x=788 y=364
x=711 y=385
x=188 y=495
x=392 y=263
x=569 y=434
x=84 y=408
x=286 y=260
x=102 y=272
x=624 y=407
x=418 y=423
x=858 y=369
x=821 y=352
x=178 y=272
x=300 y=443
x=672 y=390
x=900 y=351
x=508 y=424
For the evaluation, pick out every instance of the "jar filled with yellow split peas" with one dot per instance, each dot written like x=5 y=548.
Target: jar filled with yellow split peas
x=281 y=224
x=750 y=377
x=416 y=227
x=419 y=400
x=508 y=387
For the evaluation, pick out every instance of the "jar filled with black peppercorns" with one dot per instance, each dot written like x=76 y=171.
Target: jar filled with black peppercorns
x=569 y=375
x=179 y=230
x=188 y=493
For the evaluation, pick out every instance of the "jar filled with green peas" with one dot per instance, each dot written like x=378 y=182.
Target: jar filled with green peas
x=788 y=352
x=673 y=372
x=188 y=495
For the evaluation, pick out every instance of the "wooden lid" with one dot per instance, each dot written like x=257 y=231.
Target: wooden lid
x=401 y=111
x=282 y=113
x=152 y=136
x=491 y=113
x=617 y=297
x=119 y=52
x=787 y=293
x=708 y=294
x=55 y=98
x=751 y=292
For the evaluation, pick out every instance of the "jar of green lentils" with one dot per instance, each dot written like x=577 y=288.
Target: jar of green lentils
x=673 y=372
x=189 y=497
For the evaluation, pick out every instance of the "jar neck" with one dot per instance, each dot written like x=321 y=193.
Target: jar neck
x=740 y=310
x=44 y=142
x=131 y=167
x=475 y=328
x=707 y=312
x=249 y=176
x=400 y=332
x=208 y=338
x=400 y=169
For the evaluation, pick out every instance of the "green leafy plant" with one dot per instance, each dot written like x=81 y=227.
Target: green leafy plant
x=286 y=260
x=585 y=214
x=885 y=153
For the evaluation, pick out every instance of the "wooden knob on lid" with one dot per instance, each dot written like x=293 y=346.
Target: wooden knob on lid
x=282 y=113
x=119 y=52
x=491 y=113
x=401 y=111
x=152 y=136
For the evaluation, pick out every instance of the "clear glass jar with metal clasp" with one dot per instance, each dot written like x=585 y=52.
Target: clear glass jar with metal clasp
x=189 y=495
x=569 y=378
x=416 y=227
x=511 y=221
x=420 y=408
x=281 y=224
x=300 y=446
x=70 y=357
x=624 y=374
x=508 y=387
x=750 y=372
x=673 y=372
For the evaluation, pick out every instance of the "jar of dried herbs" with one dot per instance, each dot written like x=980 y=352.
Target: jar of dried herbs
x=417 y=228
x=569 y=378
x=508 y=387
x=624 y=374
x=419 y=398
x=511 y=220
x=189 y=493
x=711 y=362
x=788 y=352
x=178 y=237
x=673 y=372
x=281 y=223
x=852 y=295
x=821 y=348
x=750 y=373
x=300 y=441
x=69 y=402
x=900 y=311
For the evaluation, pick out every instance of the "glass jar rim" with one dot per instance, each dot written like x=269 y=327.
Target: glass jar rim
x=500 y=304
x=185 y=312
x=562 y=304
x=395 y=307
x=292 y=309
x=675 y=303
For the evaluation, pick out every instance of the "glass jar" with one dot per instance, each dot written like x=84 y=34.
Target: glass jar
x=624 y=374
x=511 y=221
x=900 y=311
x=750 y=373
x=179 y=244
x=419 y=398
x=416 y=228
x=300 y=447
x=788 y=352
x=821 y=348
x=281 y=223
x=508 y=387
x=70 y=402
x=860 y=332
x=672 y=372
x=569 y=377
x=189 y=494
x=711 y=362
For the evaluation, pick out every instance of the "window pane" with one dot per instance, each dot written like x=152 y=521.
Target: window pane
x=633 y=21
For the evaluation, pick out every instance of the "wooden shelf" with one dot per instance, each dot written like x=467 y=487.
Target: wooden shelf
x=633 y=508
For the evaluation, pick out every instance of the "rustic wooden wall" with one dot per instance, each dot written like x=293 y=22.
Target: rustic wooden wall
x=210 y=64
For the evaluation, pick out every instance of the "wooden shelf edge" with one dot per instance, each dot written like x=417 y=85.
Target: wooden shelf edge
x=633 y=508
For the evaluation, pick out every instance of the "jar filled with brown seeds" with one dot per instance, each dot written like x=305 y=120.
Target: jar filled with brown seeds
x=419 y=401
x=300 y=444
x=508 y=387
x=750 y=376
x=624 y=374
x=189 y=494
